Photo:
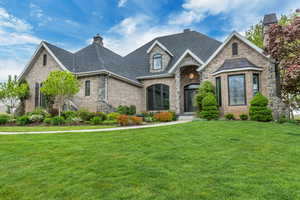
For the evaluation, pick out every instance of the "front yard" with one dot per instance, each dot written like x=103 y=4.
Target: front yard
x=198 y=160
x=50 y=128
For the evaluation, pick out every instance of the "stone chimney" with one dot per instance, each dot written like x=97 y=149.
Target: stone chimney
x=98 y=40
x=268 y=20
x=186 y=30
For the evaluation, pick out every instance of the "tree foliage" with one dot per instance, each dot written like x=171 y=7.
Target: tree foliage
x=12 y=92
x=62 y=85
x=255 y=35
x=205 y=88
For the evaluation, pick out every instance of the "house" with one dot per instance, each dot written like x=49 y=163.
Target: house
x=163 y=74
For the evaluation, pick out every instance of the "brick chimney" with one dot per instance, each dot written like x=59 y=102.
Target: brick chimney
x=98 y=40
x=268 y=20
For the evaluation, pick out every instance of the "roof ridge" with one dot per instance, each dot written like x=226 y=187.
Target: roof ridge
x=47 y=43
x=98 y=55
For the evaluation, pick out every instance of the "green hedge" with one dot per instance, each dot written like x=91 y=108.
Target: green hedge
x=258 y=109
x=209 y=107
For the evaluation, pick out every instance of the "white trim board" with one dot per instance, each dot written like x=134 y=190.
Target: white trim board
x=161 y=46
x=237 y=70
x=29 y=64
x=188 y=51
x=239 y=36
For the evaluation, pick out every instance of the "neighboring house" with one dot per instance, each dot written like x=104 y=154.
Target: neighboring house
x=163 y=74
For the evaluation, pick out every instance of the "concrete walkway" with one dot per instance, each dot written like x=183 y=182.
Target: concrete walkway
x=97 y=130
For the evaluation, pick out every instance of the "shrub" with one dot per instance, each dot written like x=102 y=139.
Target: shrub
x=73 y=120
x=282 y=119
x=109 y=122
x=244 y=117
x=4 y=119
x=258 y=109
x=125 y=110
x=123 y=120
x=53 y=112
x=39 y=111
x=47 y=120
x=163 y=116
x=85 y=115
x=101 y=115
x=69 y=114
x=132 y=110
x=174 y=116
x=209 y=107
x=36 y=118
x=205 y=88
x=96 y=120
x=133 y=120
x=23 y=120
x=57 y=121
x=113 y=116
x=229 y=116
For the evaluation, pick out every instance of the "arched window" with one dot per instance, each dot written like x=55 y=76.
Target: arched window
x=45 y=60
x=235 y=49
x=158 y=97
x=157 y=62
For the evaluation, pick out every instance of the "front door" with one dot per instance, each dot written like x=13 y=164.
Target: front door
x=189 y=94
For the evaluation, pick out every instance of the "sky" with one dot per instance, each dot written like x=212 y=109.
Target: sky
x=124 y=24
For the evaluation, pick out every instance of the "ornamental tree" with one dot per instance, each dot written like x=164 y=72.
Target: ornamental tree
x=12 y=92
x=62 y=85
x=205 y=88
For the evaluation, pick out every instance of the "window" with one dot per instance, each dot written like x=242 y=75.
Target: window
x=218 y=91
x=45 y=60
x=157 y=62
x=42 y=100
x=235 y=49
x=87 y=88
x=237 y=90
x=255 y=84
x=37 y=95
x=158 y=97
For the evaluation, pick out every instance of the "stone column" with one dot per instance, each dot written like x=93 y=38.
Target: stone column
x=178 y=92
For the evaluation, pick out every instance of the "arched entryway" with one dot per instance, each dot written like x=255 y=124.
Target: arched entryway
x=189 y=95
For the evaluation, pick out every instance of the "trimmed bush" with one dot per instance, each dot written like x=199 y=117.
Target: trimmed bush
x=126 y=110
x=57 y=121
x=4 y=119
x=23 y=120
x=112 y=116
x=96 y=120
x=205 y=88
x=109 y=122
x=133 y=120
x=229 y=116
x=85 y=115
x=73 y=120
x=47 y=120
x=163 y=116
x=123 y=120
x=36 y=118
x=101 y=115
x=39 y=111
x=132 y=110
x=258 y=109
x=69 y=114
x=244 y=117
x=209 y=107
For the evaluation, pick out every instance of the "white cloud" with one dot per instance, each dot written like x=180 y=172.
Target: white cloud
x=129 y=25
x=9 y=21
x=38 y=13
x=122 y=3
x=10 y=67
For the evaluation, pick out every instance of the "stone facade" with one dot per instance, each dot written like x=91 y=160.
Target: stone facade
x=165 y=58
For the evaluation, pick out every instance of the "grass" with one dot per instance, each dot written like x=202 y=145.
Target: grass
x=214 y=160
x=48 y=128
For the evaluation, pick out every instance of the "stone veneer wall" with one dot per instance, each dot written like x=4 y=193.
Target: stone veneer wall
x=165 y=58
x=267 y=77
x=167 y=81
x=37 y=74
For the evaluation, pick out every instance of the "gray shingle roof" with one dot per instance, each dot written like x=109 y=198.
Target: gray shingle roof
x=96 y=57
x=236 y=63
x=270 y=19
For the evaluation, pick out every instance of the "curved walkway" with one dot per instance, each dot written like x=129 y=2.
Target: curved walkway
x=96 y=130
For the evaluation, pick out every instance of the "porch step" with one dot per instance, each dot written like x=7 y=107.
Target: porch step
x=186 y=117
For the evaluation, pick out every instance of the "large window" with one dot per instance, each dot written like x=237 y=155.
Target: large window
x=237 y=90
x=235 y=50
x=218 y=91
x=255 y=84
x=158 y=97
x=157 y=62
x=87 y=88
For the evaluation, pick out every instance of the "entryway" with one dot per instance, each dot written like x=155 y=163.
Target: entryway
x=189 y=94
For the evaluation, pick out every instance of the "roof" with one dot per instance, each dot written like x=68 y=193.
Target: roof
x=201 y=45
x=270 y=19
x=236 y=64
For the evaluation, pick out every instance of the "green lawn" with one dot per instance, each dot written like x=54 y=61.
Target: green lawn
x=48 y=128
x=198 y=160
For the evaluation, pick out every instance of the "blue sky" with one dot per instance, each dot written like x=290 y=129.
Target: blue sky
x=124 y=24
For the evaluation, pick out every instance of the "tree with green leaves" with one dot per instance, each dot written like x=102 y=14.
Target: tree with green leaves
x=62 y=85
x=12 y=92
x=205 y=88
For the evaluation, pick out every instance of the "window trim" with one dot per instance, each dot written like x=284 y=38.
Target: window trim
x=219 y=100
x=87 y=93
x=258 y=82
x=235 y=49
x=245 y=89
x=153 y=96
x=45 y=59
x=155 y=56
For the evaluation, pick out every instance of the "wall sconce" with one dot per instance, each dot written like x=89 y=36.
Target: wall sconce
x=191 y=76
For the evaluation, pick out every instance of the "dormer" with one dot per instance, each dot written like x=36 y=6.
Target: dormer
x=159 y=57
